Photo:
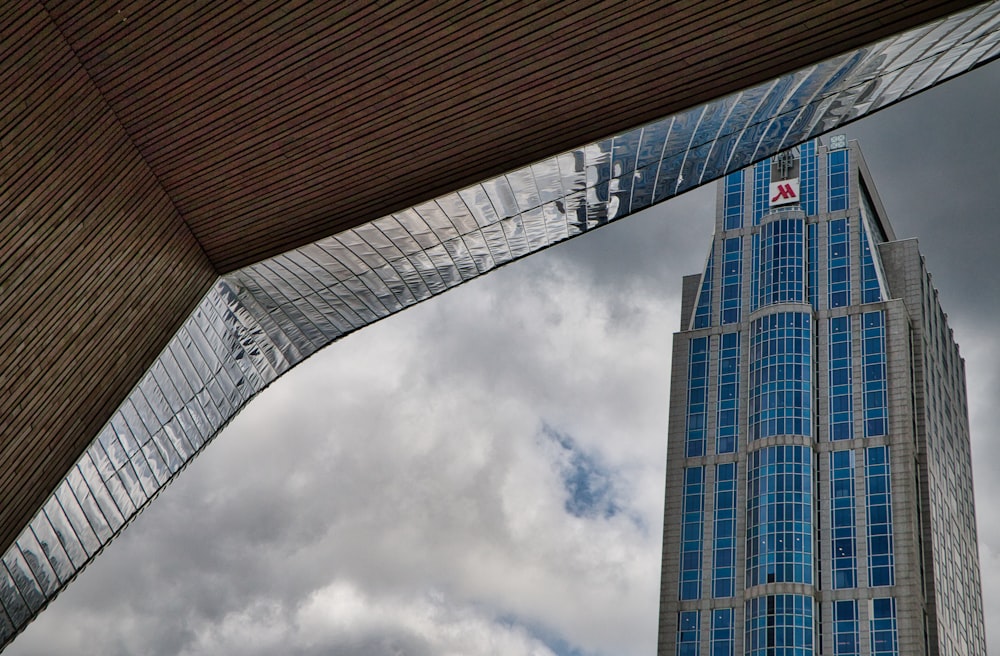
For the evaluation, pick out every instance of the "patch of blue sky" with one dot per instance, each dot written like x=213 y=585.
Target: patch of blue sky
x=589 y=483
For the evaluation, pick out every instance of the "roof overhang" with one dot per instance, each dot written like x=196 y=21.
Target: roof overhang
x=148 y=147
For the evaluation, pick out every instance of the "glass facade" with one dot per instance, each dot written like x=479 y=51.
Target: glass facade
x=871 y=291
x=838 y=180
x=874 y=374
x=779 y=625
x=878 y=510
x=703 y=315
x=689 y=633
x=813 y=250
x=724 y=535
x=723 y=641
x=761 y=190
x=839 y=267
x=755 y=278
x=728 y=403
x=804 y=469
x=779 y=516
x=883 y=629
x=692 y=532
x=697 y=404
x=782 y=262
x=846 y=640
x=809 y=189
x=781 y=375
x=732 y=280
x=733 y=201
x=841 y=379
x=843 y=524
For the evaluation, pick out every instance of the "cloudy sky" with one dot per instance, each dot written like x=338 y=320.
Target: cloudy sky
x=483 y=473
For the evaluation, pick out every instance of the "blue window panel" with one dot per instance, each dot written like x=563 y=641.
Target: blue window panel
x=688 y=633
x=871 y=291
x=761 y=190
x=839 y=263
x=779 y=533
x=838 y=180
x=692 y=525
x=843 y=531
x=878 y=509
x=703 y=313
x=841 y=380
x=781 y=262
x=808 y=170
x=883 y=628
x=846 y=641
x=727 y=419
x=733 y=201
x=813 y=248
x=780 y=375
x=755 y=278
x=779 y=625
x=724 y=532
x=732 y=280
x=875 y=399
x=697 y=406
x=723 y=632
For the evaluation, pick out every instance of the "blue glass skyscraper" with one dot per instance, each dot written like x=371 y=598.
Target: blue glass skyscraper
x=819 y=486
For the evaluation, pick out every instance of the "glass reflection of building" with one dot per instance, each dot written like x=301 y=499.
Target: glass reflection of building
x=819 y=486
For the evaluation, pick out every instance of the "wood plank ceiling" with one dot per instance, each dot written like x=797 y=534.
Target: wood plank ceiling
x=147 y=146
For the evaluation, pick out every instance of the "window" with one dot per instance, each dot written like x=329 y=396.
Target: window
x=808 y=163
x=884 y=636
x=761 y=190
x=728 y=393
x=846 y=641
x=838 y=180
x=692 y=532
x=755 y=278
x=723 y=632
x=871 y=292
x=841 y=380
x=878 y=508
x=781 y=262
x=732 y=280
x=780 y=375
x=697 y=408
x=703 y=313
x=839 y=263
x=843 y=531
x=733 y=201
x=813 y=246
x=779 y=528
x=724 y=538
x=874 y=374
x=779 y=625
x=688 y=630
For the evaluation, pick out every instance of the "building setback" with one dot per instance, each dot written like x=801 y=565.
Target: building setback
x=819 y=480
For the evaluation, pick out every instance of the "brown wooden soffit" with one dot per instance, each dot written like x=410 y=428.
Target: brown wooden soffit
x=273 y=124
x=146 y=146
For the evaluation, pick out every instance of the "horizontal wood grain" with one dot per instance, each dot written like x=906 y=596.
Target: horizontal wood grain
x=147 y=146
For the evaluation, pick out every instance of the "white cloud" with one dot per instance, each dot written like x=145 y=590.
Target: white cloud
x=396 y=494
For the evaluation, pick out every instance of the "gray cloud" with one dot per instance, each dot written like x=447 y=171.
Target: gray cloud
x=395 y=494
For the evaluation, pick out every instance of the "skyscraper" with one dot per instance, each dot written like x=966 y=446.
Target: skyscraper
x=819 y=480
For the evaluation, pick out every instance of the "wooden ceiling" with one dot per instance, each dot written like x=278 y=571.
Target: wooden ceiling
x=147 y=146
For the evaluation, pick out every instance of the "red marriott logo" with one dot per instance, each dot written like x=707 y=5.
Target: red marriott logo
x=784 y=192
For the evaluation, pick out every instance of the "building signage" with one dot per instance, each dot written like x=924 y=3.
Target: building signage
x=784 y=192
